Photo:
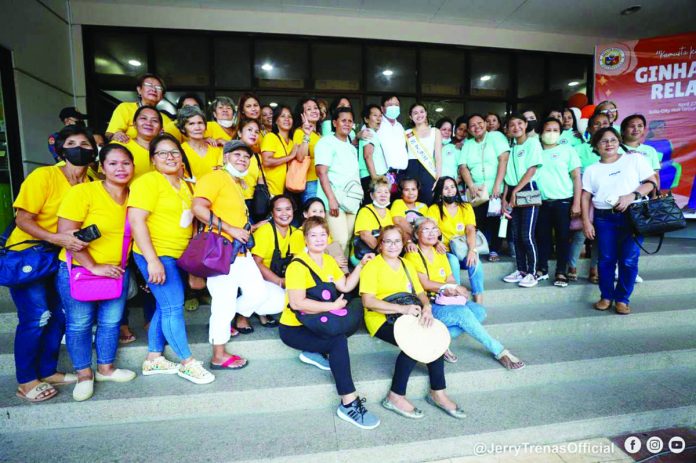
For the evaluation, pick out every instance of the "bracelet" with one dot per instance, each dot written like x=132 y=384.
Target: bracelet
x=305 y=139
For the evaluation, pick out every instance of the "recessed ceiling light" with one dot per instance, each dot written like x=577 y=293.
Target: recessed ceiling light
x=388 y=72
x=267 y=67
x=631 y=10
x=485 y=78
x=438 y=110
x=135 y=63
x=573 y=83
x=273 y=104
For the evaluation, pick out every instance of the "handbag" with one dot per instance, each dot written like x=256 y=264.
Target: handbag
x=440 y=298
x=495 y=207
x=296 y=177
x=526 y=198
x=361 y=248
x=334 y=322
x=655 y=217
x=85 y=286
x=28 y=265
x=280 y=264
x=460 y=247
x=403 y=298
x=260 y=205
x=209 y=254
x=474 y=198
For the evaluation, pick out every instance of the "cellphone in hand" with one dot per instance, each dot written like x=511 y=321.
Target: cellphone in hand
x=88 y=234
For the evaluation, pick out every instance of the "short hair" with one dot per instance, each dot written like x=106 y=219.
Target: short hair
x=378 y=182
x=552 y=120
x=313 y=222
x=221 y=100
x=307 y=204
x=244 y=122
x=69 y=131
x=280 y=197
x=513 y=116
x=442 y=121
x=109 y=147
x=386 y=98
x=628 y=119
x=186 y=113
x=368 y=109
x=277 y=111
x=337 y=113
x=151 y=75
x=143 y=108
x=600 y=133
x=418 y=224
x=404 y=180
x=471 y=116
x=388 y=229
x=186 y=96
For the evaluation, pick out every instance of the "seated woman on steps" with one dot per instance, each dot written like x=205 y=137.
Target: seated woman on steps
x=372 y=218
x=406 y=210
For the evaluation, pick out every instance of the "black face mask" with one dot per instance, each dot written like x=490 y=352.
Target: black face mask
x=449 y=199
x=78 y=156
x=531 y=125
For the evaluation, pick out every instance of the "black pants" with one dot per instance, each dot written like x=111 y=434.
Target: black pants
x=365 y=182
x=404 y=365
x=416 y=170
x=524 y=220
x=300 y=338
x=489 y=226
x=554 y=219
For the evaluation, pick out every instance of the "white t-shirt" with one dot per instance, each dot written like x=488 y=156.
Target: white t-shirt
x=609 y=181
x=393 y=141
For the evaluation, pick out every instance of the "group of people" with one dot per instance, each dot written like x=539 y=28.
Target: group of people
x=358 y=212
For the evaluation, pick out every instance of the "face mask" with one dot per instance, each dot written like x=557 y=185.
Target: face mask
x=531 y=125
x=446 y=141
x=380 y=205
x=392 y=112
x=226 y=123
x=234 y=172
x=78 y=156
x=449 y=199
x=550 y=138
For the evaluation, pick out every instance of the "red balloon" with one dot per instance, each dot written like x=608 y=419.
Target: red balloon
x=587 y=111
x=579 y=100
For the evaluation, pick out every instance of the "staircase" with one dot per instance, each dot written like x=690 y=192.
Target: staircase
x=589 y=374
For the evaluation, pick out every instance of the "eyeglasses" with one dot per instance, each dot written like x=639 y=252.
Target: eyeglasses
x=609 y=111
x=165 y=154
x=609 y=141
x=429 y=231
x=240 y=154
x=159 y=88
x=392 y=242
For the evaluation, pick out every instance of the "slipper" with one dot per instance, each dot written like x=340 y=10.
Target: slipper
x=35 y=394
x=493 y=257
x=126 y=339
x=457 y=413
x=416 y=414
x=68 y=378
x=227 y=364
x=233 y=331
x=270 y=322
x=451 y=357
x=245 y=329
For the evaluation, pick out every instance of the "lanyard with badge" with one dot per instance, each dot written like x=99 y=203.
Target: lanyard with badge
x=186 y=218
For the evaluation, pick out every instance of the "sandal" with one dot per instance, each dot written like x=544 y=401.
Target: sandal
x=228 y=364
x=509 y=361
x=126 y=338
x=493 y=257
x=270 y=321
x=68 y=378
x=245 y=329
x=594 y=276
x=561 y=281
x=233 y=331
x=39 y=393
x=572 y=274
x=451 y=357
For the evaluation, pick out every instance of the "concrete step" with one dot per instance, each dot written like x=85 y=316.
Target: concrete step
x=559 y=412
x=256 y=389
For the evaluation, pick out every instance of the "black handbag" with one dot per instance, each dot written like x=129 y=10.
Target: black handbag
x=280 y=264
x=361 y=248
x=260 y=205
x=335 y=322
x=655 y=217
x=28 y=265
x=403 y=298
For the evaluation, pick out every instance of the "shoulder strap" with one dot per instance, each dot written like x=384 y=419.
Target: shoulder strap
x=258 y=161
x=659 y=245
x=124 y=248
x=408 y=275
x=275 y=238
x=425 y=264
x=379 y=223
x=315 y=277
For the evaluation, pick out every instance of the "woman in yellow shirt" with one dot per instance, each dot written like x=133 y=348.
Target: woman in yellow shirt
x=314 y=207
x=102 y=204
x=406 y=210
x=249 y=133
x=305 y=137
x=202 y=157
x=148 y=124
x=249 y=108
x=159 y=211
x=218 y=197
x=40 y=317
x=372 y=218
x=315 y=272
x=456 y=218
x=384 y=276
x=463 y=316
x=222 y=129
x=278 y=149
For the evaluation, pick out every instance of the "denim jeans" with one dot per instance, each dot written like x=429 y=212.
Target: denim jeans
x=616 y=245
x=554 y=222
x=475 y=273
x=310 y=192
x=168 y=320
x=40 y=327
x=577 y=242
x=80 y=317
x=467 y=319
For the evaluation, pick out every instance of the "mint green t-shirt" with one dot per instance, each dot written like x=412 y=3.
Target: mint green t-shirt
x=482 y=158
x=450 y=160
x=377 y=156
x=553 y=177
x=522 y=157
x=651 y=155
x=586 y=155
x=342 y=160
x=568 y=137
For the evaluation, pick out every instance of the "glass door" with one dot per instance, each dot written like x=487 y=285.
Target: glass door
x=10 y=157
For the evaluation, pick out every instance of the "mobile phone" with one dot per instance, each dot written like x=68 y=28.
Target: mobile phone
x=88 y=234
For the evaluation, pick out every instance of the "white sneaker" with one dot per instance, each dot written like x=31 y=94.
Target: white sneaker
x=514 y=277
x=639 y=279
x=529 y=281
x=194 y=372
x=83 y=390
x=120 y=375
x=159 y=366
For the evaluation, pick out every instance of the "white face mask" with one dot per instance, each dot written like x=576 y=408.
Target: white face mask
x=550 y=138
x=446 y=141
x=234 y=172
x=380 y=205
x=226 y=123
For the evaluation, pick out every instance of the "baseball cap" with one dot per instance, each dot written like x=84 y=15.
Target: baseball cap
x=236 y=144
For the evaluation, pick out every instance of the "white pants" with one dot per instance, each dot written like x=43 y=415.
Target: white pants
x=258 y=296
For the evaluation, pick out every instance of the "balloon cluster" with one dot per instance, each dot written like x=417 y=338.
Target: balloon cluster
x=583 y=111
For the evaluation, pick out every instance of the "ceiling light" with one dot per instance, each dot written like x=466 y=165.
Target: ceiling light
x=485 y=78
x=267 y=67
x=388 y=72
x=573 y=83
x=631 y=10
x=135 y=63
x=438 y=110
x=273 y=104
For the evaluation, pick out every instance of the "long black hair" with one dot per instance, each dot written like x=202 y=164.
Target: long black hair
x=437 y=194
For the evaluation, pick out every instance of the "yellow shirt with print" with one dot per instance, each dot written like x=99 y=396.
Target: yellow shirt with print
x=90 y=203
x=201 y=165
x=141 y=157
x=153 y=193
x=399 y=208
x=264 y=243
x=41 y=194
x=438 y=269
x=275 y=176
x=122 y=121
x=452 y=226
x=298 y=277
x=313 y=139
x=226 y=198
x=381 y=280
x=366 y=221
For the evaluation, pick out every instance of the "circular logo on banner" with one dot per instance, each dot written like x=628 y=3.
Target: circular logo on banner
x=612 y=59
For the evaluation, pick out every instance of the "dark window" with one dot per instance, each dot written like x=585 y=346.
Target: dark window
x=336 y=67
x=391 y=69
x=232 y=63
x=183 y=59
x=280 y=64
x=442 y=72
x=119 y=58
x=485 y=107
x=568 y=76
x=490 y=74
x=438 y=109
x=530 y=76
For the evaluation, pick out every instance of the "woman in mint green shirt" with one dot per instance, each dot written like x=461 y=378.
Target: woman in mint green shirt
x=559 y=181
x=450 y=152
x=370 y=154
x=570 y=134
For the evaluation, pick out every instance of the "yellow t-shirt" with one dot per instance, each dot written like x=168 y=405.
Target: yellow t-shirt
x=298 y=277
x=251 y=179
x=41 y=193
x=313 y=139
x=225 y=196
x=122 y=121
x=297 y=242
x=90 y=203
x=153 y=193
x=141 y=157
x=264 y=244
x=399 y=208
x=452 y=226
x=365 y=221
x=438 y=269
x=381 y=280
x=201 y=165
x=275 y=176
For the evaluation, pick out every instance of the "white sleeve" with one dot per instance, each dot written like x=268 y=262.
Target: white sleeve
x=587 y=179
x=645 y=170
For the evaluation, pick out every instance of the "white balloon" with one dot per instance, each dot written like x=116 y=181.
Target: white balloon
x=582 y=124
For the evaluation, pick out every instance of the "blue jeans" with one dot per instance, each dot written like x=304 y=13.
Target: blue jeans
x=577 y=242
x=168 y=320
x=40 y=327
x=310 y=192
x=616 y=245
x=467 y=318
x=79 y=318
x=475 y=273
